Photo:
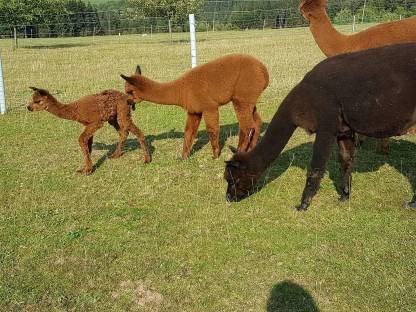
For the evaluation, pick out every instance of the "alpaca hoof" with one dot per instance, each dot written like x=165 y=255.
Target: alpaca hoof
x=147 y=159
x=115 y=155
x=216 y=154
x=344 y=197
x=184 y=157
x=86 y=171
x=302 y=207
x=411 y=205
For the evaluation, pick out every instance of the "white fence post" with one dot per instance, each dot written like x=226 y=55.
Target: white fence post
x=2 y=97
x=193 y=39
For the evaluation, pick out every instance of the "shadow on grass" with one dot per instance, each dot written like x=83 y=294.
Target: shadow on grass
x=57 y=46
x=226 y=131
x=401 y=157
x=290 y=297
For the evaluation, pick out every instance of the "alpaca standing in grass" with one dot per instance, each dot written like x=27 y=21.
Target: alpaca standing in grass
x=92 y=111
x=237 y=78
x=336 y=100
x=331 y=42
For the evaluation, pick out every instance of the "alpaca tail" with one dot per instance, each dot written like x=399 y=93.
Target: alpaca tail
x=266 y=76
x=131 y=104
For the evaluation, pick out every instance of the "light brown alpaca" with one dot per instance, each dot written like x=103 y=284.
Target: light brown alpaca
x=92 y=111
x=331 y=42
x=238 y=78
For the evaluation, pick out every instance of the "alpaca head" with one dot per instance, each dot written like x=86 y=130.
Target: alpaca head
x=241 y=178
x=309 y=7
x=40 y=100
x=133 y=86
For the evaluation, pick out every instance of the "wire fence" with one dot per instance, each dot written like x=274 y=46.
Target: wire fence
x=128 y=21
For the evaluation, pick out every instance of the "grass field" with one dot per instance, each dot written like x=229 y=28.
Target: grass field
x=161 y=237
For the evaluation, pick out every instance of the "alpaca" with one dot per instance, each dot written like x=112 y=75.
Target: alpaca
x=336 y=100
x=237 y=78
x=331 y=42
x=92 y=111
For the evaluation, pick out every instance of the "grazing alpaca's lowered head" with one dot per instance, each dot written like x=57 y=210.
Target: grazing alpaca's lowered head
x=92 y=111
x=335 y=100
x=331 y=42
x=236 y=78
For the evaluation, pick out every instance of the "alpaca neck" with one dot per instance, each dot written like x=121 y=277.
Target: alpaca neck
x=329 y=40
x=274 y=140
x=161 y=93
x=61 y=110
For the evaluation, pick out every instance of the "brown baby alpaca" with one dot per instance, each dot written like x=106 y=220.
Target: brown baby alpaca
x=92 y=111
x=331 y=42
x=236 y=78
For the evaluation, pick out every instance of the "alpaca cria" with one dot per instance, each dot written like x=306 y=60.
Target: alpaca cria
x=93 y=111
x=331 y=42
x=336 y=100
x=237 y=78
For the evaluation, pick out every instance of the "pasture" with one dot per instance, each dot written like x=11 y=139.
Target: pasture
x=161 y=237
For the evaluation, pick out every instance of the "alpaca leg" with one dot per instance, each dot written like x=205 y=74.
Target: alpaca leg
x=123 y=133
x=346 y=158
x=84 y=139
x=245 y=116
x=142 y=142
x=191 y=129
x=383 y=146
x=257 y=129
x=211 y=119
x=321 y=151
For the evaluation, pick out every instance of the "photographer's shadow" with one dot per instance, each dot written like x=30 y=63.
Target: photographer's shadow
x=290 y=297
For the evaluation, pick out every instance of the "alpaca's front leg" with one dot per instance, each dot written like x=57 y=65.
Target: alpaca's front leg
x=142 y=141
x=321 y=151
x=346 y=158
x=85 y=142
x=191 y=128
x=211 y=119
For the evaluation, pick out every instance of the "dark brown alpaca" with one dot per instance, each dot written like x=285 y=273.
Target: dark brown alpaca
x=332 y=43
x=237 y=78
x=93 y=111
x=371 y=92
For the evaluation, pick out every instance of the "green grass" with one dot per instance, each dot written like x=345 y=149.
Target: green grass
x=161 y=237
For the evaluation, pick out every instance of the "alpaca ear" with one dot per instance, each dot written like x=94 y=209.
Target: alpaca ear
x=138 y=70
x=41 y=92
x=130 y=80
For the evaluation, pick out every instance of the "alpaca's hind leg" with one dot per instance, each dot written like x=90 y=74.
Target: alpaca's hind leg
x=90 y=141
x=247 y=131
x=85 y=139
x=346 y=158
x=142 y=141
x=191 y=129
x=211 y=119
x=321 y=151
x=257 y=129
x=123 y=134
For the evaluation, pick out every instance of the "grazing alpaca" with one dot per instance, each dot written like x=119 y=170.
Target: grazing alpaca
x=331 y=42
x=336 y=100
x=92 y=111
x=200 y=91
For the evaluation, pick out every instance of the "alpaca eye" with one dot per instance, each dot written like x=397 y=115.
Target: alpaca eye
x=36 y=102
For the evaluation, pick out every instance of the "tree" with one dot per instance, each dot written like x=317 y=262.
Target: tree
x=166 y=8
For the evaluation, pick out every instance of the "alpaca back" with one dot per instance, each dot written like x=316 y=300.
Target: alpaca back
x=221 y=80
x=101 y=106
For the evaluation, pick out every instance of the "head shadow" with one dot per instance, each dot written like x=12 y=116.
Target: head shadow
x=401 y=157
x=288 y=296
